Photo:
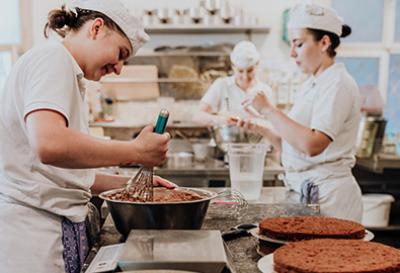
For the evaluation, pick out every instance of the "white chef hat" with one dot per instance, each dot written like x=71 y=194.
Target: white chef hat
x=311 y=15
x=245 y=54
x=116 y=11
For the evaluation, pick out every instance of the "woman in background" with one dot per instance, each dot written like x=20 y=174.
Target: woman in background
x=223 y=98
x=318 y=136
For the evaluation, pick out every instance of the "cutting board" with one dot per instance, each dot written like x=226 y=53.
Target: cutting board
x=136 y=82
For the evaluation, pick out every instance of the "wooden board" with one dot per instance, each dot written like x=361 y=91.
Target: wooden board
x=130 y=86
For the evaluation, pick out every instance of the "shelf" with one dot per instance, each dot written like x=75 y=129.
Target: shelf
x=183 y=54
x=127 y=125
x=393 y=228
x=202 y=29
x=135 y=80
x=378 y=162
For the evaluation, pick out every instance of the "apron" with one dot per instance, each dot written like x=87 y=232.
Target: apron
x=38 y=241
x=338 y=197
x=34 y=240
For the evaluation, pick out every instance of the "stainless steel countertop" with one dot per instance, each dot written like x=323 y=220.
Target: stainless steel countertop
x=211 y=167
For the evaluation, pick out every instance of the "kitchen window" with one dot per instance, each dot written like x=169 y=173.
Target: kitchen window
x=15 y=33
x=365 y=18
x=372 y=52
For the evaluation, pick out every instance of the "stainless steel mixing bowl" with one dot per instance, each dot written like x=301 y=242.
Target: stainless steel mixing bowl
x=223 y=135
x=156 y=215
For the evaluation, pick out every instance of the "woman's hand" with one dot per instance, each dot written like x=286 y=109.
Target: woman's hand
x=159 y=181
x=260 y=102
x=249 y=125
x=151 y=148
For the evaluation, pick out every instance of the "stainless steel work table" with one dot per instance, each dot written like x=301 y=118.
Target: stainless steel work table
x=243 y=250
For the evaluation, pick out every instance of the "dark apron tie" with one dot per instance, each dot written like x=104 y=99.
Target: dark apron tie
x=75 y=244
x=309 y=193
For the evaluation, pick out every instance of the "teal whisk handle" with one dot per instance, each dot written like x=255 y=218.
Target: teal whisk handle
x=161 y=121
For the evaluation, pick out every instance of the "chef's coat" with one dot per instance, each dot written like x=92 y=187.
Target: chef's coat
x=224 y=95
x=35 y=196
x=329 y=103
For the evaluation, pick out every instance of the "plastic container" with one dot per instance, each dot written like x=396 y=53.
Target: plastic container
x=376 y=209
x=246 y=168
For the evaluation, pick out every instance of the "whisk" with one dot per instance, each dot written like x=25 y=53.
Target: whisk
x=140 y=186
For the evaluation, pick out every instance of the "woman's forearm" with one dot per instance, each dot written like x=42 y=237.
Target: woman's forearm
x=304 y=139
x=272 y=137
x=105 y=181
x=208 y=119
x=67 y=148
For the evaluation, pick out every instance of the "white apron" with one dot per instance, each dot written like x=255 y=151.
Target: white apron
x=36 y=250
x=33 y=196
x=329 y=103
x=338 y=197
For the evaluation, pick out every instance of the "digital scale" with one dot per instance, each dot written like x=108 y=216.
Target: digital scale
x=200 y=251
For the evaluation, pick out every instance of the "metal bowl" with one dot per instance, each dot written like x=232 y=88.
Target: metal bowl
x=157 y=215
x=223 y=135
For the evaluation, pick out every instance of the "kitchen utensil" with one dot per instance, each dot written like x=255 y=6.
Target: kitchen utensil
x=140 y=186
x=266 y=264
x=164 y=15
x=370 y=136
x=172 y=215
x=246 y=168
x=196 y=14
x=256 y=233
x=230 y=204
x=159 y=271
x=148 y=17
x=239 y=17
x=226 y=13
x=179 y=16
x=225 y=134
x=212 y=6
x=180 y=159
x=238 y=231
x=201 y=151
x=193 y=250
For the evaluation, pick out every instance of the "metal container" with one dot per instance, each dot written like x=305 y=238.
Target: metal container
x=370 y=136
x=223 y=135
x=156 y=215
x=180 y=160
x=164 y=15
x=196 y=15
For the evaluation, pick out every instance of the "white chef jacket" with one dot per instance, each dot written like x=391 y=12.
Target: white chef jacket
x=225 y=96
x=34 y=196
x=329 y=103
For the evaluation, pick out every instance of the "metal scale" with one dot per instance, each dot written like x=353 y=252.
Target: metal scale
x=201 y=251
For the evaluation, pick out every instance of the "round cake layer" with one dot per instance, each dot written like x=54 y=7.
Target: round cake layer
x=310 y=227
x=336 y=256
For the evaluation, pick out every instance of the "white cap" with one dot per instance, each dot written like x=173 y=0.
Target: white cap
x=116 y=11
x=245 y=54
x=310 y=15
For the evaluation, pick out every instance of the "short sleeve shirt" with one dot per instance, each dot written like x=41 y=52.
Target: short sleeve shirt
x=225 y=96
x=46 y=77
x=329 y=103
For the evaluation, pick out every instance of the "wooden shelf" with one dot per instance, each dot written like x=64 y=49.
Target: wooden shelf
x=135 y=80
x=202 y=29
x=378 y=162
x=182 y=54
